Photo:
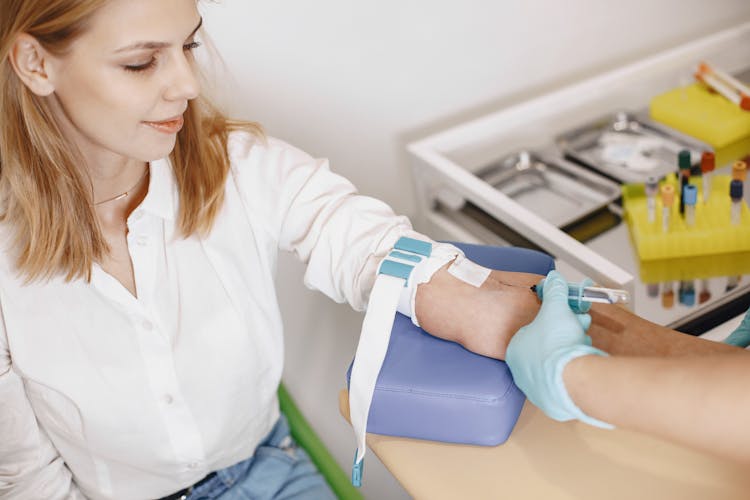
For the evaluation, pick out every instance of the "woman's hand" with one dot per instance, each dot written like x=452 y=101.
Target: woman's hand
x=484 y=319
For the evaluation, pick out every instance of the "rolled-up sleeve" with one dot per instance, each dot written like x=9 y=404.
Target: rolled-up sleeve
x=30 y=466
x=319 y=215
x=341 y=235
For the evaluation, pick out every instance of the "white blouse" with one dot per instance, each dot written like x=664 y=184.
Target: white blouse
x=107 y=395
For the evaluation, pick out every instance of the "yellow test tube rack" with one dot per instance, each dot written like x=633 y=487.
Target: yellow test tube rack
x=699 y=112
x=696 y=267
x=713 y=231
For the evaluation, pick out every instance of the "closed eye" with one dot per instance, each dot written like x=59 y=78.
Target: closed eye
x=141 y=67
x=135 y=68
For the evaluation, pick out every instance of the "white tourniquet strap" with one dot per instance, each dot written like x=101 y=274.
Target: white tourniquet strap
x=376 y=333
x=373 y=344
x=395 y=289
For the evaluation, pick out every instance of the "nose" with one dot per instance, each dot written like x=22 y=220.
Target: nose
x=183 y=82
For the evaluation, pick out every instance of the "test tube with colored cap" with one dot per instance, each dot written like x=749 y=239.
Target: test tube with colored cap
x=652 y=187
x=667 y=295
x=690 y=195
x=739 y=170
x=683 y=162
x=705 y=292
x=708 y=163
x=686 y=293
x=735 y=192
x=667 y=198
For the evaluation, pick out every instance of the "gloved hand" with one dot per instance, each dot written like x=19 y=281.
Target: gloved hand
x=538 y=353
x=576 y=304
x=741 y=336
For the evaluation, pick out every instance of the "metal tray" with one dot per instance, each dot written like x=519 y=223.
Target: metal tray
x=553 y=188
x=629 y=147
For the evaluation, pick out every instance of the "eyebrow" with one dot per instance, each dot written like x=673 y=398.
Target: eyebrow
x=156 y=45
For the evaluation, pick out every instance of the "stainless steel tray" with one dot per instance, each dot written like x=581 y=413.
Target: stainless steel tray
x=629 y=147
x=555 y=189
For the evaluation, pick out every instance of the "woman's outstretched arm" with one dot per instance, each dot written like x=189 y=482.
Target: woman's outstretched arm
x=484 y=319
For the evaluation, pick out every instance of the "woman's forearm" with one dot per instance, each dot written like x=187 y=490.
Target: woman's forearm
x=699 y=401
x=484 y=319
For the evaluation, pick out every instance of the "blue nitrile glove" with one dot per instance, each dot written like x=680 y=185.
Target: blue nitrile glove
x=538 y=353
x=741 y=336
x=575 y=302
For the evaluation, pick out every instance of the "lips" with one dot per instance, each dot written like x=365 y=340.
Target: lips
x=170 y=126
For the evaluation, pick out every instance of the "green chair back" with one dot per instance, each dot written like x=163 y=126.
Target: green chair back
x=305 y=436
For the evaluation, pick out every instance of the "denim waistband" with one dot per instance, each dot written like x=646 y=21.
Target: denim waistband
x=229 y=475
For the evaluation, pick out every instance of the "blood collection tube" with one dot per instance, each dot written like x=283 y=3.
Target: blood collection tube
x=708 y=163
x=686 y=293
x=683 y=162
x=667 y=198
x=735 y=192
x=667 y=295
x=690 y=196
x=739 y=170
x=652 y=187
x=652 y=289
x=705 y=293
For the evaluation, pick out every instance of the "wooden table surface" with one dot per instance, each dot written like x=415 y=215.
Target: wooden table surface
x=545 y=459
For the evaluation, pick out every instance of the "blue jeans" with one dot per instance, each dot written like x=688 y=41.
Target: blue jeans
x=278 y=470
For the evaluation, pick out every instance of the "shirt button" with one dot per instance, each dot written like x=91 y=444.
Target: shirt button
x=147 y=325
x=141 y=240
x=168 y=399
x=193 y=465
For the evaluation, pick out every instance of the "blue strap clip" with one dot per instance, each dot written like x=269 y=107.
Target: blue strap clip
x=400 y=269
x=357 y=470
x=418 y=247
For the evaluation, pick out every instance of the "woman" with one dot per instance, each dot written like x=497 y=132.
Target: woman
x=140 y=339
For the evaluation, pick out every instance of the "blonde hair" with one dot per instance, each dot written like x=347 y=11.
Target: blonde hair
x=45 y=194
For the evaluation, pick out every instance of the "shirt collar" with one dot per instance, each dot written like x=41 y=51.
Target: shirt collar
x=161 y=199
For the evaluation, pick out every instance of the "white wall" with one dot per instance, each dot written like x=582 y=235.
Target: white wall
x=354 y=81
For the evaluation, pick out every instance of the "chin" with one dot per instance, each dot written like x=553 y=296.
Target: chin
x=159 y=151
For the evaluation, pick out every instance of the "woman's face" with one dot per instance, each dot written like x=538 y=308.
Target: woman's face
x=124 y=84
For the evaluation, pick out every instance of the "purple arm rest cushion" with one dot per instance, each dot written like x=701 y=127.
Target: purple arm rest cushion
x=429 y=388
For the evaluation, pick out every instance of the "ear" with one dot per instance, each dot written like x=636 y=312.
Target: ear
x=30 y=61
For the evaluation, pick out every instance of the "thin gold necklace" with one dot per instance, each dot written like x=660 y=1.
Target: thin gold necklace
x=126 y=193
